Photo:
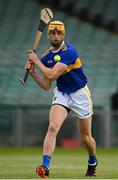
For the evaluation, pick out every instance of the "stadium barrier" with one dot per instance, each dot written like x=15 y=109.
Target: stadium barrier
x=27 y=126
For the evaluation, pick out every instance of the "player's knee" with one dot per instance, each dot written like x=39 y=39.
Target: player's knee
x=53 y=129
x=85 y=139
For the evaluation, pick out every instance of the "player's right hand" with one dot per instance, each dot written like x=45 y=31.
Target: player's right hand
x=29 y=66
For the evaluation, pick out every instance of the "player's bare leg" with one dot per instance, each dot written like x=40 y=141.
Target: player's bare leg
x=89 y=143
x=86 y=136
x=56 y=118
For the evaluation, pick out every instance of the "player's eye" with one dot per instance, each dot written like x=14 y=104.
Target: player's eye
x=53 y=32
x=59 y=32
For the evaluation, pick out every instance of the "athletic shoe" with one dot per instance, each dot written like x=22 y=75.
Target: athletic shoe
x=42 y=171
x=91 y=171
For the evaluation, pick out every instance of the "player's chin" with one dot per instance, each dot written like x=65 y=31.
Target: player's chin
x=56 y=43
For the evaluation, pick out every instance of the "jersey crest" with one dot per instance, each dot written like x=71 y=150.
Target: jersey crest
x=64 y=48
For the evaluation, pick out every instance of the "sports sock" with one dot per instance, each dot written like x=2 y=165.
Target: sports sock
x=46 y=160
x=92 y=160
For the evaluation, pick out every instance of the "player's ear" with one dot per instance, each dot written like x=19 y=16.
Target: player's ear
x=63 y=36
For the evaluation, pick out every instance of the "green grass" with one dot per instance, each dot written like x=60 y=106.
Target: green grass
x=20 y=163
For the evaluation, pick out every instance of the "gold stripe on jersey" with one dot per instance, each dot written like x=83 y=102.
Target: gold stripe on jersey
x=76 y=65
x=46 y=52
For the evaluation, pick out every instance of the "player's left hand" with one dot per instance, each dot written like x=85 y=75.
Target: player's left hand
x=32 y=57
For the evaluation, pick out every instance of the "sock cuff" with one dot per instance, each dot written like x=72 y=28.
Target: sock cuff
x=47 y=156
x=94 y=156
x=92 y=160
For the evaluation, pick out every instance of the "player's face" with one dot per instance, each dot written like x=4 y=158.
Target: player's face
x=56 y=37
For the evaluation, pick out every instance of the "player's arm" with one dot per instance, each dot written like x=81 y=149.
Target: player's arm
x=54 y=73
x=51 y=73
x=41 y=80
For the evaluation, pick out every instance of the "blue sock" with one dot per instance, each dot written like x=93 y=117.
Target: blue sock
x=92 y=160
x=46 y=160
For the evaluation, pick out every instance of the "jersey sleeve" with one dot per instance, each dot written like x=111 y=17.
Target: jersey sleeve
x=69 y=56
x=43 y=60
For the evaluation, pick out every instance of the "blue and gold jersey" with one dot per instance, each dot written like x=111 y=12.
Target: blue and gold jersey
x=73 y=78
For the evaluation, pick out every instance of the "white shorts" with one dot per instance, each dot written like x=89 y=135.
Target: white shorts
x=79 y=102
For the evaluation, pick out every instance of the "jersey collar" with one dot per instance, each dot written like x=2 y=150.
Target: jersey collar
x=59 y=48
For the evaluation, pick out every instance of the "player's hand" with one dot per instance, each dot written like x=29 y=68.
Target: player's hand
x=32 y=57
x=29 y=66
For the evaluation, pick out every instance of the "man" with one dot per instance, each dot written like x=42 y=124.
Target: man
x=61 y=63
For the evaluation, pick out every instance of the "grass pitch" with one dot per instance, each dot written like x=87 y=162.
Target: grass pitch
x=20 y=163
